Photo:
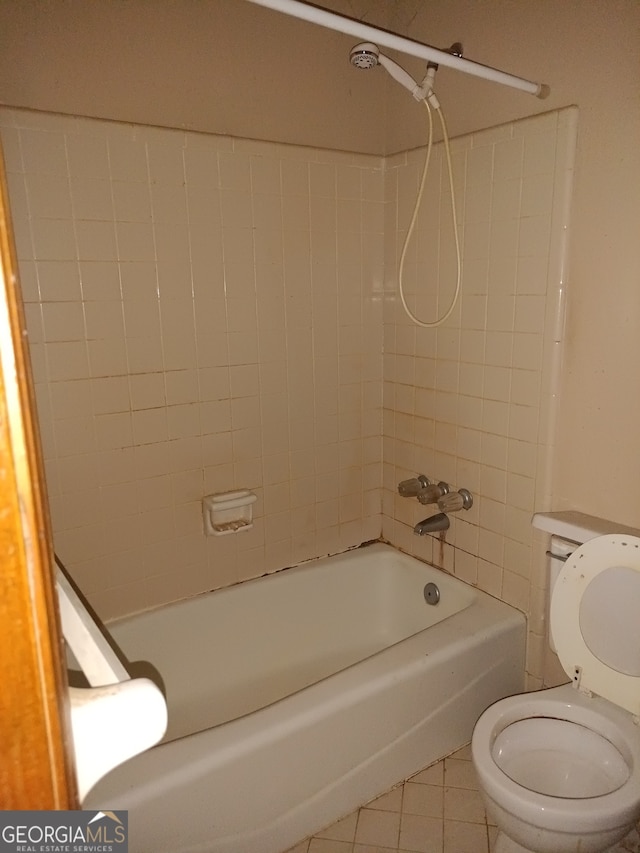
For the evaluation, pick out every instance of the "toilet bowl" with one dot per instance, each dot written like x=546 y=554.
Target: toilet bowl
x=559 y=769
x=556 y=766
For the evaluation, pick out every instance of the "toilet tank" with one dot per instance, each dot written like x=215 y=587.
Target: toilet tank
x=578 y=527
x=569 y=529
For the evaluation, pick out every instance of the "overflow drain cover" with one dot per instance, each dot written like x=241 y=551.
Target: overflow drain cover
x=431 y=593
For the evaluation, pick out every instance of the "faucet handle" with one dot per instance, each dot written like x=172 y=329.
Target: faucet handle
x=454 y=501
x=411 y=488
x=432 y=493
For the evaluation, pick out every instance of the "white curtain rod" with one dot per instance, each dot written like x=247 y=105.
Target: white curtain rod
x=324 y=18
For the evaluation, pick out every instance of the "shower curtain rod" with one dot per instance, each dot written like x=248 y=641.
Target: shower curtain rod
x=324 y=18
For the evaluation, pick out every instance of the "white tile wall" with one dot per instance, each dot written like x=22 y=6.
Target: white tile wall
x=473 y=401
x=208 y=313
x=203 y=316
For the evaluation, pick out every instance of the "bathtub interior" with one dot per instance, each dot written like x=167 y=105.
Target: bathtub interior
x=264 y=780
x=225 y=654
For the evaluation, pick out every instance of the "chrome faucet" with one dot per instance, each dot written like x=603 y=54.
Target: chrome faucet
x=428 y=492
x=433 y=524
x=423 y=489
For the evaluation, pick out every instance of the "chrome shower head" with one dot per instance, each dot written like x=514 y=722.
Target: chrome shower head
x=367 y=55
x=364 y=55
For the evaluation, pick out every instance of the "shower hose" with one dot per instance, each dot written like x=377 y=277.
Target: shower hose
x=414 y=217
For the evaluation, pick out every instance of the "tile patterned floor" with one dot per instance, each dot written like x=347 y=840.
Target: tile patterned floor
x=438 y=810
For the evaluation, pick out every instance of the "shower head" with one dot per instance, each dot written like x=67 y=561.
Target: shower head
x=367 y=55
x=364 y=55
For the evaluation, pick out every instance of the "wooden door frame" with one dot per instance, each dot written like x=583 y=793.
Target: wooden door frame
x=36 y=751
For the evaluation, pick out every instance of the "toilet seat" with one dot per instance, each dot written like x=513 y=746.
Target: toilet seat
x=594 y=619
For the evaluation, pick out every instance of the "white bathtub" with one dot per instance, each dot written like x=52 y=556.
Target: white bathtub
x=297 y=697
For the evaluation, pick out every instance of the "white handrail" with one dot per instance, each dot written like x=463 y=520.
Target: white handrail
x=90 y=647
x=118 y=716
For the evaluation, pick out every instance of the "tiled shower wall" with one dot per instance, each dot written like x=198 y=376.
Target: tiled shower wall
x=472 y=402
x=204 y=314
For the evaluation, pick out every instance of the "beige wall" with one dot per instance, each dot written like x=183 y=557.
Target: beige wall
x=230 y=67
x=221 y=66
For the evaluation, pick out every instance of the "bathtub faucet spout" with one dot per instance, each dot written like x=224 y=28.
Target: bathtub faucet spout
x=433 y=524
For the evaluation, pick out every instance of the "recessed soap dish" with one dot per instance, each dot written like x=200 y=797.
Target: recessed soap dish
x=228 y=512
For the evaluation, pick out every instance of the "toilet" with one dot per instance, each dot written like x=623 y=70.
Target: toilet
x=559 y=769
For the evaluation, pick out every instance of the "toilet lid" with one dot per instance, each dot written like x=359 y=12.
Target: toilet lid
x=595 y=618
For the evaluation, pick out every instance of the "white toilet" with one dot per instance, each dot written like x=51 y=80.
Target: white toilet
x=559 y=769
